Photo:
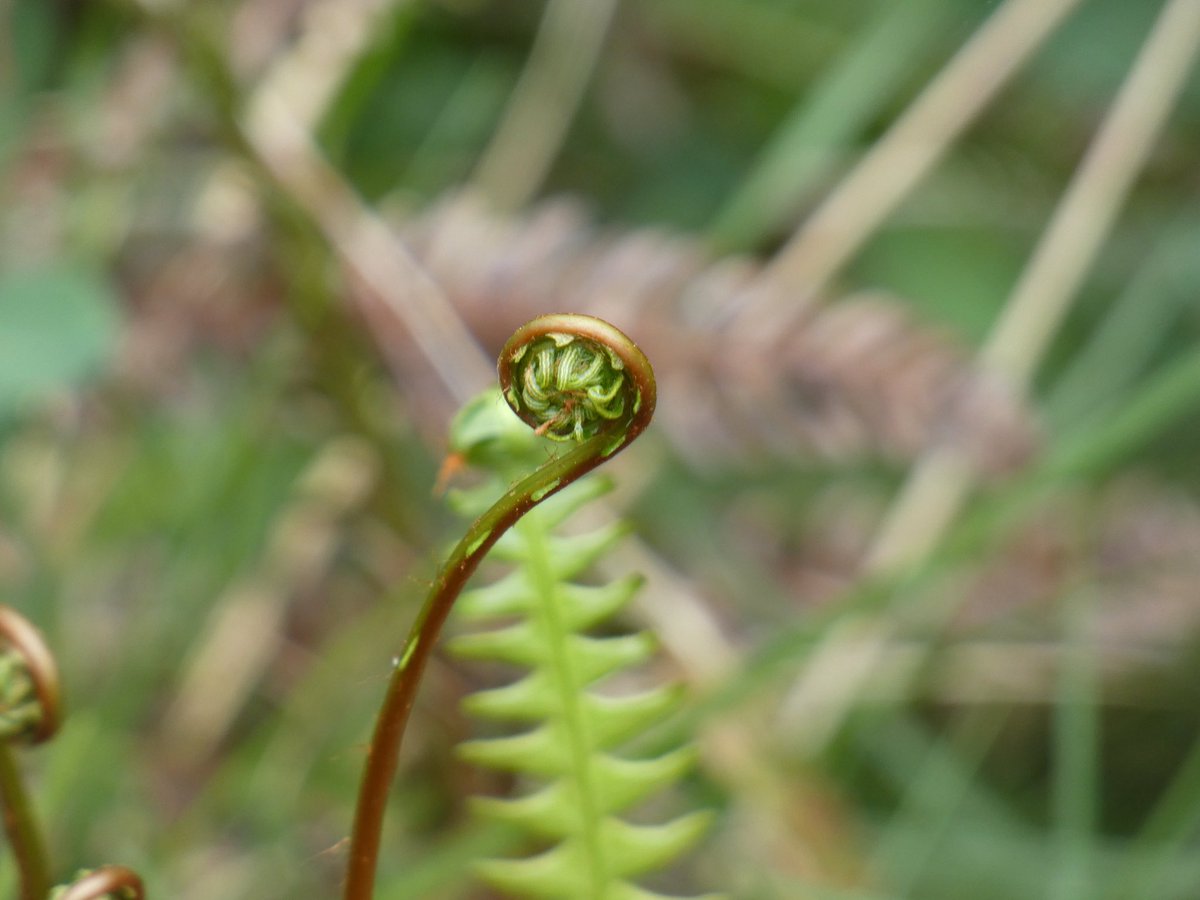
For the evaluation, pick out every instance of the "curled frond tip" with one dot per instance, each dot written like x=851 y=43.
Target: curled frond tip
x=30 y=696
x=571 y=377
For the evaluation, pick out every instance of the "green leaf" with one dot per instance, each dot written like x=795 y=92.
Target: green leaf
x=596 y=657
x=532 y=698
x=570 y=556
x=509 y=596
x=57 y=325
x=587 y=606
x=623 y=782
x=555 y=873
x=554 y=811
x=541 y=752
x=614 y=720
x=634 y=849
x=516 y=644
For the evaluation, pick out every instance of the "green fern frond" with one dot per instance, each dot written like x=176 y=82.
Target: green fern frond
x=537 y=617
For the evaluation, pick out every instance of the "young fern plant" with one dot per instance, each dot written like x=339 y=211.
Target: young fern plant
x=570 y=730
x=31 y=711
x=570 y=378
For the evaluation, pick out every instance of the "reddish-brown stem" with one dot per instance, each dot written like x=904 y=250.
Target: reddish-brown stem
x=383 y=754
x=21 y=828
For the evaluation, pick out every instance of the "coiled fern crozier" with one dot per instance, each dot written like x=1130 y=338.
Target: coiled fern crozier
x=570 y=729
x=571 y=378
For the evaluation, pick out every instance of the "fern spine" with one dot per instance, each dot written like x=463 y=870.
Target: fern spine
x=573 y=733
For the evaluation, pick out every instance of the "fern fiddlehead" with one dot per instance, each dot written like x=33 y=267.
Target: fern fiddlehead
x=571 y=377
x=30 y=712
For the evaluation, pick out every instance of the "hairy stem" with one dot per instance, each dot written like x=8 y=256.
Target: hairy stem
x=24 y=836
x=550 y=478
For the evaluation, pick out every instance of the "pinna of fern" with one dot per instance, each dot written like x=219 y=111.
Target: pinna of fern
x=575 y=379
x=570 y=730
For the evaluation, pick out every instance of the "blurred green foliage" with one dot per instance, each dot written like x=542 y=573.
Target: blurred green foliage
x=174 y=404
x=56 y=327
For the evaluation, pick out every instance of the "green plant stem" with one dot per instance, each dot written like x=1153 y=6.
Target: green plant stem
x=550 y=478
x=1076 y=725
x=21 y=827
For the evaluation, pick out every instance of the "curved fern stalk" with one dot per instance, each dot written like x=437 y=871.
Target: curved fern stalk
x=569 y=377
x=573 y=730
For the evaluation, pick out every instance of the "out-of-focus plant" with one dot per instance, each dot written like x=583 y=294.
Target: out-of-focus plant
x=30 y=713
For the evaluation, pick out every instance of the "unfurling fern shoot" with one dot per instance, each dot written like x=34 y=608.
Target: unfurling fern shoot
x=572 y=378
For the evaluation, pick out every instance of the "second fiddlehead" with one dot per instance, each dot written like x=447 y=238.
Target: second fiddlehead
x=572 y=378
x=30 y=711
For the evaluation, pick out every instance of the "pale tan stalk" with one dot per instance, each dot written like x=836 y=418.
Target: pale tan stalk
x=333 y=36
x=366 y=245
x=544 y=102
x=890 y=170
x=942 y=479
